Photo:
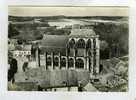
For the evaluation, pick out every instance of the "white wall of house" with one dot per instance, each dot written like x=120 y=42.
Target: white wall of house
x=21 y=53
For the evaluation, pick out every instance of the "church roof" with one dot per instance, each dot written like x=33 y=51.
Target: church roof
x=82 y=32
x=54 y=43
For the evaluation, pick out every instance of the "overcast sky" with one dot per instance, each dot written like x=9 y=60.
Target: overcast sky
x=67 y=11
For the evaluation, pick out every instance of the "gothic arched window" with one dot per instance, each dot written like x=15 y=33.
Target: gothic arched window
x=63 y=62
x=71 y=43
x=48 y=61
x=81 y=43
x=89 y=52
x=94 y=43
x=71 y=62
x=79 y=63
x=88 y=45
x=56 y=61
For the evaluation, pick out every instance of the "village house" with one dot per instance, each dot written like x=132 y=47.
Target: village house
x=112 y=70
x=24 y=51
x=11 y=44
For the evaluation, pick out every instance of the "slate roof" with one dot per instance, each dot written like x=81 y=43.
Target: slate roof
x=114 y=61
x=54 y=43
x=11 y=47
x=24 y=47
x=111 y=62
x=27 y=47
x=90 y=87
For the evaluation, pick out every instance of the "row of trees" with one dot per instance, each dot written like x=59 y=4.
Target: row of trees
x=30 y=31
x=12 y=31
x=55 y=31
x=24 y=31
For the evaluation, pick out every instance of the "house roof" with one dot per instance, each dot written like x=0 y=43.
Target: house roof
x=24 y=47
x=11 y=47
x=90 y=87
x=111 y=64
x=114 y=61
x=27 y=47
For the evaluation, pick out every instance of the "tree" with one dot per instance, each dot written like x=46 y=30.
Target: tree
x=13 y=69
x=12 y=31
x=103 y=45
x=114 y=34
x=37 y=35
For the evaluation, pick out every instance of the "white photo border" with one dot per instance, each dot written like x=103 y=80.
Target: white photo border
x=25 y=95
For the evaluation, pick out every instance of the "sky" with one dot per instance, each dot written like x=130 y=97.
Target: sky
x=66 y=11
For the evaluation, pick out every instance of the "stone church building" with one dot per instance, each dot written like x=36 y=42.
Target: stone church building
x=79 y=50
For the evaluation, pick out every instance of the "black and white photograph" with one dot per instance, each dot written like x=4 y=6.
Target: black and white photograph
x=68 y=48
